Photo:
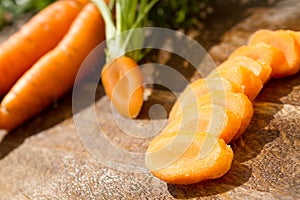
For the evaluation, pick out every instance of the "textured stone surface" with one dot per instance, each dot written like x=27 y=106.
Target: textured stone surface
x=46 y=158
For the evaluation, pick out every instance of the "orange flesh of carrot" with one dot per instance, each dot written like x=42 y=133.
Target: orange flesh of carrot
x=41 y=34
x=237 y=103
x=210 y=118
x=241 y=77
x=284 y=42
x=198 y=88
x=188 y=167
x=295 y=35
x=265 y=54
x=123 y=83
x=55 y=73
x=263 y=71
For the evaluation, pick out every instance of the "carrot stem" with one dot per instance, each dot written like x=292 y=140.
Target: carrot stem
x=130 y=14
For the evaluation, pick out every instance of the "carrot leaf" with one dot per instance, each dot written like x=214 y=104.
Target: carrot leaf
x=129 y=15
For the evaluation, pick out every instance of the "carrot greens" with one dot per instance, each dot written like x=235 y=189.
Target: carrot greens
x=129 y=15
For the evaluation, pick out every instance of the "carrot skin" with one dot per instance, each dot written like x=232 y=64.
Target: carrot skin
x=55 y=73
x=41 y=34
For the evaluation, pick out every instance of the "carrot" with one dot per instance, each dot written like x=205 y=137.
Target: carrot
x=123 y=83
x=54 y=74
x=265 y=54
x=41 y=34
x=295 y=35
x=121 y=76
x=200 y=117
x=241 y=77
x=284 y=42
x=176 y=157
x=260 y=69
x=198 y=88
x=237 y=103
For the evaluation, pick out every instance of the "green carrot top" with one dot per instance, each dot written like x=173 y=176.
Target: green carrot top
x=129 y=15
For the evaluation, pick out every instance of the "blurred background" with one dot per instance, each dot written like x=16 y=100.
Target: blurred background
x=11 y=10
x=166 y=13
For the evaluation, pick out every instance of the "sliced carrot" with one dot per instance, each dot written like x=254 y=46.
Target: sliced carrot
x=123 y=83
x=176 y=154
x=237 y=103
x=284 y=42
x=241 y=77
x=180 y=158
x=41 y=34
x=198 y=88
x=295 y=35
x=263 y=71
x=55 y=73
x=265 y=54
x=211 y=118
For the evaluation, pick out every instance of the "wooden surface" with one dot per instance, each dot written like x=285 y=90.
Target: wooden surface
x=47 y=158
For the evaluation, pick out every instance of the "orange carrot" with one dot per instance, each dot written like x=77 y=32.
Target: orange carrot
x=199 y=118
x=122 y=79
x=284 y=42
x=237 y=103
x=265 y=54
x=241 y=77
x=295 y=35
x=176 y=157
x=41 y=34
x=198 y=88
x=123 y=83
x=260 y=69
x=54 y=74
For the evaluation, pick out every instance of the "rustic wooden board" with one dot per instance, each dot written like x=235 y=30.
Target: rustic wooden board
x=46 y=159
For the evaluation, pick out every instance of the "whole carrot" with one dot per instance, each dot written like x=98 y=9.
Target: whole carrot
x=55 y=73
x=41 y=34
x=122 y=78
x=123 y=83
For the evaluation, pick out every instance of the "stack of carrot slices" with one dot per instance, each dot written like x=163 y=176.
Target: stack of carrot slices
x=212 y=112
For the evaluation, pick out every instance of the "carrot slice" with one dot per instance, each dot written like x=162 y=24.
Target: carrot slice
x=237 y=103
x=179 y=158
x=241 y=77
x=41 y=34
x=198 y=88
x=265 y=54
x=284 y=42
x=263 y=71
x=123 y=83
x=54 y=74
x=295 y=35
x=211 y=118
